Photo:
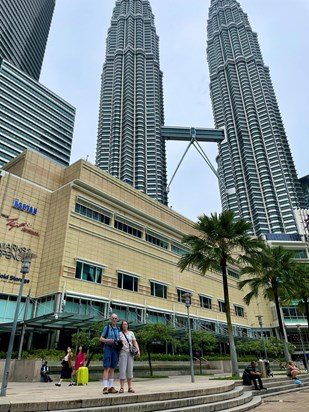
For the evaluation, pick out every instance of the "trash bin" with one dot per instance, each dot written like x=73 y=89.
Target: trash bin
x=262 y=368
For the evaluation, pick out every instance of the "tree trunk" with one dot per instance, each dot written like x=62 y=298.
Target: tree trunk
x=233 y=352
x=149 y=360
x=281 y=326
x=306 y=304
x=90 y=358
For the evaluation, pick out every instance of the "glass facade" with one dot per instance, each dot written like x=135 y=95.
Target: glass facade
x=257 y=176
x=24 y=32
x=129 y=144
x=31 y=116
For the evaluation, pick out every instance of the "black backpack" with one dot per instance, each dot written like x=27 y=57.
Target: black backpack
x=246 y=380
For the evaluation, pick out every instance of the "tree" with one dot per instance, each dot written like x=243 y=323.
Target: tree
x=301 y=289
x=152 y=333
x=220 y=241
x=271 y=272
x=89 y=339
x=203 y=341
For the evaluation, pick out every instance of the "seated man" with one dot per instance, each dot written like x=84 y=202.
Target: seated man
x=251 y=374
x=45 y=372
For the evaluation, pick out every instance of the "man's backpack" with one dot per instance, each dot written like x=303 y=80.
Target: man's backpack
x=246 y=380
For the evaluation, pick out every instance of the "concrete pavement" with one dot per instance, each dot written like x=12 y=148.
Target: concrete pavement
x=24 y=397
x=294 y=401
x=39 y=396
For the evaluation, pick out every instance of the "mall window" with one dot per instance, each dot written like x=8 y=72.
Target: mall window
x=300 y=254
x=88 y=272
x=291 y=312
x=158 y=290
x=156 y=240
x=178 y=250
x=233 y=274
x=128 y=227
x=92 y=211
x=221 y=306
x=239 y=311
x=180 y=293
x=205 y=302
x=128 y=282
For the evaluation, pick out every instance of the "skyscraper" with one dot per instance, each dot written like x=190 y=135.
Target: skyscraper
x=24 y=28
x=258 y=180
x=32 y=116
x=129 y=144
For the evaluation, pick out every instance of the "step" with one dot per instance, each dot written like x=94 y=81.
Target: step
x=226 y=405
x=284 y=389
x=255 y=401
x=171 y=401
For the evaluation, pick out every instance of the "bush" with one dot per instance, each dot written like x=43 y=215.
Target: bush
x=46 y=354
x=163 y=357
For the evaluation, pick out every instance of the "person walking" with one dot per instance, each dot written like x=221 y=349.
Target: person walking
x=110 y=337
x=129 y=349
x=66 y=371
x=79 y=362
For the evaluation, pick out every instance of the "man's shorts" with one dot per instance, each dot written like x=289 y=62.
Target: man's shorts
x=110 y=359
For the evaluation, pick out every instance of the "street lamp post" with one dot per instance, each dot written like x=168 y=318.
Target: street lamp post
x=302 y=346
x=187 y=297
x=262 y=335
x=25 y=266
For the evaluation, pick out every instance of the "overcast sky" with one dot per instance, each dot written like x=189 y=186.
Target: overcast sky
x=76 y=51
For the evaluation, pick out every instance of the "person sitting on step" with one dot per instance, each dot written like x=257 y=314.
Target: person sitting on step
x=292 y=371
x=254 y=376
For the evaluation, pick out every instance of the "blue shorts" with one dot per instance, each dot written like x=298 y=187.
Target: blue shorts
x=110 y=359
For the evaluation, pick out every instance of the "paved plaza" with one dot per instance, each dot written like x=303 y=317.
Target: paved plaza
x=21 y=397
x=297 y=401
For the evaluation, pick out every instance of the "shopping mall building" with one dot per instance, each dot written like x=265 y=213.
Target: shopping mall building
x=101 y=246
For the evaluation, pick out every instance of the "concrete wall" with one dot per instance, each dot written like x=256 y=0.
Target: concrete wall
x=23 y=370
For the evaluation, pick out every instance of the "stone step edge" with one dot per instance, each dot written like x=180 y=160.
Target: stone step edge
x=242 y=400
x=255 y=401
x=128 y=403
x=282 y=392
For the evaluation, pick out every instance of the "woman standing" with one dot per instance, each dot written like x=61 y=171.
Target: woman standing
x=79 y=362
x=126 y=356
x=66 y=371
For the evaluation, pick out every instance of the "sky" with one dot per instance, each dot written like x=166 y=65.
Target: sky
x=75 y=55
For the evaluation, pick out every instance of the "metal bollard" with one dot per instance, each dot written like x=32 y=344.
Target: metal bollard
x=262 y=368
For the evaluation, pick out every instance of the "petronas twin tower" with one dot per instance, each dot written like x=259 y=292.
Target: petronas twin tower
x=131 y=114
x=257 y=176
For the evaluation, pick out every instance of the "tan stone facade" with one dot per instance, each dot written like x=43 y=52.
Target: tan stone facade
x=101 y=245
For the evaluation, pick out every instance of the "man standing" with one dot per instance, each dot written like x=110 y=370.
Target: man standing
x=254 y=375
x=110 y=334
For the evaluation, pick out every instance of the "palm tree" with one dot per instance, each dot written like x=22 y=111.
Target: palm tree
x=301 y=289
x=272 y=272
x=220 y=241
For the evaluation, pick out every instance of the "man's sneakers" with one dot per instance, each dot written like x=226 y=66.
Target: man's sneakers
x=109 y=390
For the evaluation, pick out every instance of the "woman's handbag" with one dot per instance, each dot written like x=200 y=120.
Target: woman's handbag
x=133 y=350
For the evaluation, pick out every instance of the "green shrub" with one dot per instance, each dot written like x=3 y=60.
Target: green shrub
x=46 y=354
x=163 y=357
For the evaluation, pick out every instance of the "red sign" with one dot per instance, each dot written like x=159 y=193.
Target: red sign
x=24 y=226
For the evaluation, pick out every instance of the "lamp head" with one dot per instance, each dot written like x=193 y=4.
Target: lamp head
x=187 y=297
